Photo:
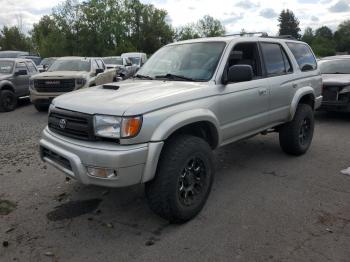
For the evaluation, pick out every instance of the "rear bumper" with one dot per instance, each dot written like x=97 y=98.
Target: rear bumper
x=133 y=164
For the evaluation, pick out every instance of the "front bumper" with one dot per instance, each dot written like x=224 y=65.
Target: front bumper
x=335 y=106
x=43 y=98
x=134 y=164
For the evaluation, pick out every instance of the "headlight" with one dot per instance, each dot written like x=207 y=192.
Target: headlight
x=81 y=81
x=51 y=107
x=117 y=127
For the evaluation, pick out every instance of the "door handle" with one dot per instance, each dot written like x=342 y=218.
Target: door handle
x=262 y=92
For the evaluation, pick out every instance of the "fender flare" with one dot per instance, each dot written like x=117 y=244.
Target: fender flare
x=181 y=119
x=7 y=83
x=299 y=94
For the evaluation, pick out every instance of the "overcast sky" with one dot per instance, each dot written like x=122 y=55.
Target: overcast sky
x=252 y=15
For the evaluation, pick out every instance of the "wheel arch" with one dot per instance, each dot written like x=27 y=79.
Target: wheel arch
x=7 y=85
x=305 y=95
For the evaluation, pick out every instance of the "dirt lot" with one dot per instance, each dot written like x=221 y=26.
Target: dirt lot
x=265 y=205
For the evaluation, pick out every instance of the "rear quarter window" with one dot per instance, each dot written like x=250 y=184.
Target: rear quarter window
x=303 y=55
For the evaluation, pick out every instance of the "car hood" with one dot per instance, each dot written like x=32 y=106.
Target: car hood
x=133 y=97
x=336 y=79
x=62 y=74
x=5 y=76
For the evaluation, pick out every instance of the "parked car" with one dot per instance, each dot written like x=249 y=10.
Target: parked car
x=67 y=74
x=160 y=127
x=14 y=81
x=123 y=66
x=46 y=63
x=137 y=59
x=21 y=54
x=335 y=72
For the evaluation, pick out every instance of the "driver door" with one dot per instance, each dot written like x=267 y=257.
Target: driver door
x=244 y=106
x=21 y=82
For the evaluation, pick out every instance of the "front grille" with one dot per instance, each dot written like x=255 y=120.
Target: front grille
x=56 y=158
x=330 y=93
x=54 y=85
x=72 y=124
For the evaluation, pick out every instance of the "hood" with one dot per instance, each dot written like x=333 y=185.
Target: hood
x=133 y=97
x=62 y=74
x=336 y=79
x=5 y=76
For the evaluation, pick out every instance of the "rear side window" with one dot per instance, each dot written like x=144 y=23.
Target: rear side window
x=276 y=61
x=302 y=53
x=31 y=67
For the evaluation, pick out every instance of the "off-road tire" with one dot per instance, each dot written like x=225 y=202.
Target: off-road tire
x=41 y=108
x=164 y=194
x=8 y=101
x=296 y=136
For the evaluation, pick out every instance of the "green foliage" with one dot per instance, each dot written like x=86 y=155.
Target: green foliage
x=342 y=37
x=205 y=27
x=324 y=32
x=101 y=27
x=11 y=38
x=308 y=35
x=289 y=24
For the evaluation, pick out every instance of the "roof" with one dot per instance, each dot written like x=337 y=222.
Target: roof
x=74 y=58
x=230 y=38
x=112 y=57
x=16 y=59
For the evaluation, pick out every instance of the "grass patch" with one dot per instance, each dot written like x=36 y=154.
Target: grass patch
x=6 y=207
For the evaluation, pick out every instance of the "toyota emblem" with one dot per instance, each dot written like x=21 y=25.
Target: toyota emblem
x=62 y=124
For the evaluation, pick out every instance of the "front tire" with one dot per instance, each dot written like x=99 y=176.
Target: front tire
x=183 y=179
x=8 y=101
x=296 y=136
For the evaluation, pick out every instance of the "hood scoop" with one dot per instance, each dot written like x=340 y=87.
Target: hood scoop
x=110 y=87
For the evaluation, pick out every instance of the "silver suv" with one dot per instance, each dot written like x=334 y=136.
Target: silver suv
x=189 y=98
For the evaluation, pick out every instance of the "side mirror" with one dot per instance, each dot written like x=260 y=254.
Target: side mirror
x=306 y=68
x=21 y=72
x=99 y=71
x=239 y=73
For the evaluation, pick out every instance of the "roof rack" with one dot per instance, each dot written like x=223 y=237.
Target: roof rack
x=263 y=34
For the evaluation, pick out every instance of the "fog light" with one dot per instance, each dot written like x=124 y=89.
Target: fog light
x=102 y=172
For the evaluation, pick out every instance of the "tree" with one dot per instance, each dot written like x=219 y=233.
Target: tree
x=324 y=32
x=308 y=36
x=205 y=27
x=11 y=38
x=289 y=24
x=342 y=37
x=209 y=27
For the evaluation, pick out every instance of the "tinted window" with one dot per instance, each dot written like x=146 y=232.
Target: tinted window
x=31 y=67
x=303 y=55
x=273 y=57
x=287 y=63
x=100 y=64
x=21 y=66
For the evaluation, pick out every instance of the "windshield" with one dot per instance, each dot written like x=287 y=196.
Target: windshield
x=336 y=66
x=47 y=61
x=5 y=54
x=196 y=61
x=135 y=60
x=70 y=65
x=113 y=60
x=6 y=67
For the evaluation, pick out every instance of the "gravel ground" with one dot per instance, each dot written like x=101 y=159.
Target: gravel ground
x=264 y=206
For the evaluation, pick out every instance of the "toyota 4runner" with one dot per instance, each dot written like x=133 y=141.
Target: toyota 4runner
x=191 y=97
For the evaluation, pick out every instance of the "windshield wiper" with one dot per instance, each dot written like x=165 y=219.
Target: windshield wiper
x=172 y=76
x=143 y=77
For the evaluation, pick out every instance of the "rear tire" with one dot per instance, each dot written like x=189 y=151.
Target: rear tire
x=296 y=136
x=8 y=101
x=183 y=179
x=41 y=108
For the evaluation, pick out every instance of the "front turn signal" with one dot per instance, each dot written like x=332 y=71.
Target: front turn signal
x=131 y=126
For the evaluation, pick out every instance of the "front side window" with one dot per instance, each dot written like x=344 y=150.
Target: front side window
x=194 y=61
x=21 y=66
x=302 y=53
x=6 y=67
x=335 y=66
x=70 y=65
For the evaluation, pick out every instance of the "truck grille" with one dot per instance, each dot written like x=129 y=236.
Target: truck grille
x=72 y=124
x=54 y=85
x=330 y=93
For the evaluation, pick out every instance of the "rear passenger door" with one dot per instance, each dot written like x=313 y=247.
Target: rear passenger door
x=279 y=74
